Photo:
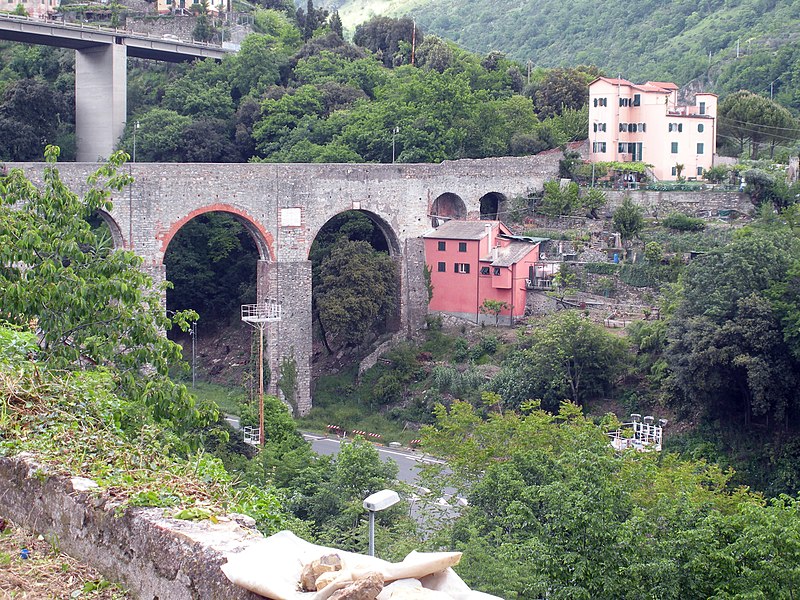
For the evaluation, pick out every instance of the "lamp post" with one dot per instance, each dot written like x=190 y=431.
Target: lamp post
x=395 y=131
x=193 y=333
x=374 y=503
x=135 y=127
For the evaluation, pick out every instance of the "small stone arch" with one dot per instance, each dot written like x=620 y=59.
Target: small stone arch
x=116 y=232
x=446 y=207
x=262 y=238
x=492 y=206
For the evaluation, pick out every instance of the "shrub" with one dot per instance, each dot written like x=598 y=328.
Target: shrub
x=601 y=268
x=683 y=222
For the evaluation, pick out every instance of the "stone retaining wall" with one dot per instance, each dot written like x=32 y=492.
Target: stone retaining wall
x=155 y=557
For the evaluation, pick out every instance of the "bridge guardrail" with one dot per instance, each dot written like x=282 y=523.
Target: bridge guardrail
x=79 y=26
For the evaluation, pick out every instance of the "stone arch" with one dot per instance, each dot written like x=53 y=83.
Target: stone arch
x=492 y=206
x=116 y=232
x=262 y=238
x=392 y=239
x=447 y=206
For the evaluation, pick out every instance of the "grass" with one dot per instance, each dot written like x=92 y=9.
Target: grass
x=229 y=399
x=46 y=572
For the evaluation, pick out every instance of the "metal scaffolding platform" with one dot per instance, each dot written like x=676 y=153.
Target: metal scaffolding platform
x=267 y=311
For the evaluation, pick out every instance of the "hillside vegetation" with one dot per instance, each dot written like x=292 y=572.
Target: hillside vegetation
x=653 y=39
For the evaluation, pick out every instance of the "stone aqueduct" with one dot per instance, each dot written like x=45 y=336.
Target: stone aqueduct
x=284 y=206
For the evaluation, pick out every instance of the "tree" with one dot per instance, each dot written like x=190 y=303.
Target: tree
x=727 y=348
x=569 y=358
x=751 y=118
x=628 y=219
x=560 y=89
x=493 y=307
x=548 y=497
x=384 y=35
x=336 y=24
x=92 y=306
x=357 y=291
x=559 y=199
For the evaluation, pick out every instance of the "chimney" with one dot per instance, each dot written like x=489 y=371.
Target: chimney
x=488 y=228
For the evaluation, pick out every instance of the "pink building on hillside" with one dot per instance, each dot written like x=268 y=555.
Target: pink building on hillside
x=631 y=122
x=472 y=261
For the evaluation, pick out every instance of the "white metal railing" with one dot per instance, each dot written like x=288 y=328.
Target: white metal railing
x=263 y=312
x=252 y=435
x=640 y=434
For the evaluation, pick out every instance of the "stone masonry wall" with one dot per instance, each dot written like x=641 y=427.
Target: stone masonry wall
x=157 y=558
x=660 y=204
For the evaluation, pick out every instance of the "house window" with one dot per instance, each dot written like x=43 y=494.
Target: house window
x=442 y=245
x=595 y=127
x=496 y=271
x=674 y=171
x=674 y=147
x=603 y=101
x=598 y=147
x=700 y=148
x=461 y=267
x=702 y=108
x=595 y=102
x=623 y=126
x=700 y=128
x=484 y=270
x=441 y=267
x=699 y=171
x=680 y=127
x=622 y=147
x=637 y=99
x=462 y=246
x=644 y=127
x=670 y=128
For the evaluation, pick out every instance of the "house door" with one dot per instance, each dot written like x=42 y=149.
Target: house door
x=636 y=151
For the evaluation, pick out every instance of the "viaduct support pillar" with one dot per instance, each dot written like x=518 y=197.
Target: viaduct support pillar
x=289 y=340
x=100 y=100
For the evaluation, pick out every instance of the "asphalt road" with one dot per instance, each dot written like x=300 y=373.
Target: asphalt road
x=408 y=462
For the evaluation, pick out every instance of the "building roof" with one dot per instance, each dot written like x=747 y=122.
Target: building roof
x=650 y=86
x=510 y=254
x=461 y=230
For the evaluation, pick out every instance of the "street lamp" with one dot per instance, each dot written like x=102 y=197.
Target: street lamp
x=374 y=503
x=135 y=127
x=395 y=131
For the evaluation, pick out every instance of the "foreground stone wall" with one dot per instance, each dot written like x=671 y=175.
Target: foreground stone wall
x=157 y=558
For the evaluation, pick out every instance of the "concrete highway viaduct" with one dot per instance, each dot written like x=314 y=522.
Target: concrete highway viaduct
x=284 y=206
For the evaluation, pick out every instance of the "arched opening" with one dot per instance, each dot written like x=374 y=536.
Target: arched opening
x=446 y=207
x=355 y=282
x=493 y=205
x=211 y=260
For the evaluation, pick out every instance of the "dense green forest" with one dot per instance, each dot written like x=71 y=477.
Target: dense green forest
x=659 y=40
x=299 y=92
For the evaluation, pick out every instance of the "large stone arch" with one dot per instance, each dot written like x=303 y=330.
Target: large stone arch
x=447 y=206
x=262 y=238
x=493 y=206
x=395 y=251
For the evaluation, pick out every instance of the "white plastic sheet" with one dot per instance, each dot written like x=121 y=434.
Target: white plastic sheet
x=272 y=568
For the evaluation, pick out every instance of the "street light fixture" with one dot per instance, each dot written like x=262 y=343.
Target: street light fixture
x=374 y=503
x=135 y=127
x=395 y=131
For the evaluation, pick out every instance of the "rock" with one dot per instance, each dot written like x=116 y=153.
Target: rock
x=365 y=588
x=325 y=579
x=328 y=563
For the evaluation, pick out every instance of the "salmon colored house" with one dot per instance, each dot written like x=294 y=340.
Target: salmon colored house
x=632 y=122
x=472 y=261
